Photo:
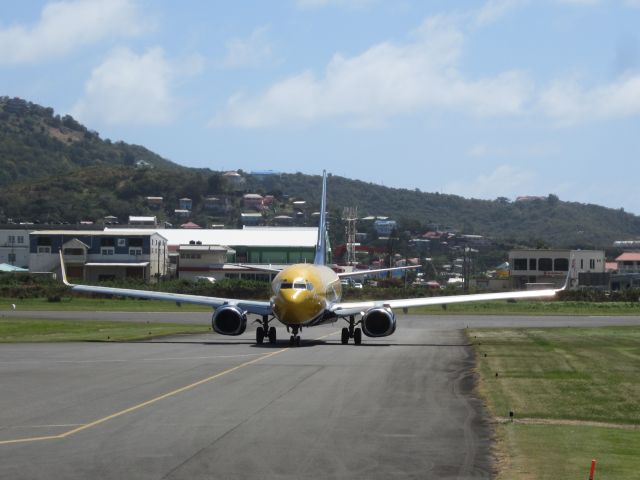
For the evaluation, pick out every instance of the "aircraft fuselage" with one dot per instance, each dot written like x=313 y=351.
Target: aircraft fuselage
x=302 y=293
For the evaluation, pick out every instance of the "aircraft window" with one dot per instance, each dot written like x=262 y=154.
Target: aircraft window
x=285 y=285
x=309 y=286
x=300 y=286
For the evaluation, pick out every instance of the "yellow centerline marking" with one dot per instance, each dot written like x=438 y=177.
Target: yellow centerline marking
x=143 y=404
x=149 y=402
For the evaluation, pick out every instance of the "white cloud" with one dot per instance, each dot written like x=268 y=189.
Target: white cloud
x=569 y=103
x=388 y=79
x=504 y=181
x=67 y=26
x=580 y=2
x=254 y=51
x=131 y=89
x=352 y=4
x=493 y=10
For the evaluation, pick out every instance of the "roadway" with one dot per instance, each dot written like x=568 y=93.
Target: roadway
x=206 y=406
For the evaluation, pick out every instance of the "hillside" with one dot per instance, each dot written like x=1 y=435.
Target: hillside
x=36 y=143
x=54 y=170
x=550 y=221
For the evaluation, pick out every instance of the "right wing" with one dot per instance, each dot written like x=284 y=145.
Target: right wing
x=249 y=306
x=354 y=308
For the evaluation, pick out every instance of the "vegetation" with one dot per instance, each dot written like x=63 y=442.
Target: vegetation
x=36 y=143
x=55 y=170
x=575 y=396
x=38 y=330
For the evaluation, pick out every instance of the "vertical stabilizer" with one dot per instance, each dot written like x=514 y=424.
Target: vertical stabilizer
x=321 y=244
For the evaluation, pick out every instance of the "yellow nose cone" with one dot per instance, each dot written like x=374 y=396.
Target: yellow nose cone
x=296 y=307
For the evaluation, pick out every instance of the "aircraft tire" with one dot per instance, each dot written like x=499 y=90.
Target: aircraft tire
x=259 y=335
x=292 y=340
x=357 y=336
x=345 y=336
x=297 y=340
x=272 y=335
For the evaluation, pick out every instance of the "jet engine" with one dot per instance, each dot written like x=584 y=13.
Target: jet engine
x=378 y=322
x=229 y=320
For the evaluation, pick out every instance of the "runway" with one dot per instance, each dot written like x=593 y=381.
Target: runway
x=208 y=406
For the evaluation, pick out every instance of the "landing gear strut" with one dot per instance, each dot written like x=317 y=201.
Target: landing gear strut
x=265 y=331
x=294 y=340
x=351 y=332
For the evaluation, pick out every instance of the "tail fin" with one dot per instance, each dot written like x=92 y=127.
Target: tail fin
x=321 y=245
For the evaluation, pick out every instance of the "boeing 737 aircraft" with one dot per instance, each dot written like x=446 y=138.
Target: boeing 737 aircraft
x=305 y=295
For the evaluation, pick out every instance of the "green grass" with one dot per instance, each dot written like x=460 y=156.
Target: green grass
x=563 y=374
x=480 y=308
x=533 y=308
x=14 y=330
x=99 y=304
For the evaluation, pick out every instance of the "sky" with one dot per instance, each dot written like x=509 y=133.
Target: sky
x=483 y=99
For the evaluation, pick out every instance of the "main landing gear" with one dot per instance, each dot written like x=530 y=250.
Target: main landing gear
x=294 y=340
x=265 y=331
x=352 y=332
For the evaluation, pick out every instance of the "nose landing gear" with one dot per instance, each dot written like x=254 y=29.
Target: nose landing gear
x=294 y=340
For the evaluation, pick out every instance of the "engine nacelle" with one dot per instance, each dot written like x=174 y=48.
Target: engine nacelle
x=378 y=322
x=229 y=320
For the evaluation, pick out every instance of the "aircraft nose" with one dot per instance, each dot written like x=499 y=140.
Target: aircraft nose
x=295 y=306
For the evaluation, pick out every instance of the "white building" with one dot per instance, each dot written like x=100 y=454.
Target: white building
x=14 y=247
x=100 y=255
x=532 y=266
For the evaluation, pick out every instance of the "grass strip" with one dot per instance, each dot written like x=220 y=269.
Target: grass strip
x=479 y=308
x=98 y=304
x=15 y=330
x=556 y=375
x=536 y=307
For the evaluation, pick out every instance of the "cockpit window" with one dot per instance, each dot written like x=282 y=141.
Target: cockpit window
x=296 y=285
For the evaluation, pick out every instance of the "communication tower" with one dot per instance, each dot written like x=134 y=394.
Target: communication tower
x=350 y=217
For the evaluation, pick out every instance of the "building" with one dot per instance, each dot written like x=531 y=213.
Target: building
x=14 y=247
x=250 y=246
x=203 y=261
x=550 y=267
x=384 y=228
x=252 y=200
x=628 y=262
x=100 y=255
x=154 y=202
x=251 y=219
x=143 y=221
x=185 y=203
x=627 y=271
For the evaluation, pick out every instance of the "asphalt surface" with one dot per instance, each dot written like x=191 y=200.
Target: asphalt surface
x=207 y=406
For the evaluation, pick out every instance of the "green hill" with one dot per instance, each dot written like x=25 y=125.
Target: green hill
x=55 y=170
x=36 y=143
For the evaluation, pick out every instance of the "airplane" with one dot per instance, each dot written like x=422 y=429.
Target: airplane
x=306 y=295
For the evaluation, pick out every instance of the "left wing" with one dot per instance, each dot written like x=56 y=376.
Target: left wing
x=249 y=306
x=353 y=308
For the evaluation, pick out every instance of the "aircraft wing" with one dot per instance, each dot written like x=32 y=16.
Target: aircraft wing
x=353 y=308
x=250 y=306
x=361 y=273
